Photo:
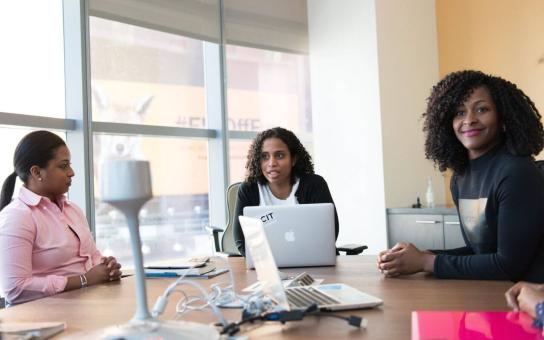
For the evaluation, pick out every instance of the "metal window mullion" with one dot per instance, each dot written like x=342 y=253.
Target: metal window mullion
x=216 y=108
x=77 y=93
x=151 y=130
x=39 y=122
x=249 y=135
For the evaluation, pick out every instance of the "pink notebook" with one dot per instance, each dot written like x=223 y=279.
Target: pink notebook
x=450 y=325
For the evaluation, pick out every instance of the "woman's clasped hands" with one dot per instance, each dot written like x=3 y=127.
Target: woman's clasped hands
x=107 y=270
x=405 y=258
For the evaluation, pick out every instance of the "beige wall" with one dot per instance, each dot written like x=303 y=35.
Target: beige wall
x=502 y=37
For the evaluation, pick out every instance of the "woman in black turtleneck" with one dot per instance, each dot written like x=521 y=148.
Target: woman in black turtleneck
x=486 y=130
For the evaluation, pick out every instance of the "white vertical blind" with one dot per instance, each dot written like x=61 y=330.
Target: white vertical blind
x=197 y=19
x=279 y=25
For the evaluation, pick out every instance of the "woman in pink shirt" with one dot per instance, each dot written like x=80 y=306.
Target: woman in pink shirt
x=45 y=243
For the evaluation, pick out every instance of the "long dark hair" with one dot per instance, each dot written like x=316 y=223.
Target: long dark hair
x=523 y=132
x=302 y=166
x=36 y=148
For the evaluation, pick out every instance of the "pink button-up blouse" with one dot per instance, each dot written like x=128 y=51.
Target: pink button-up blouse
x=41 y=245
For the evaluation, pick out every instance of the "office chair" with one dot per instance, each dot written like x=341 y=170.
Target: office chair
x=227 y=244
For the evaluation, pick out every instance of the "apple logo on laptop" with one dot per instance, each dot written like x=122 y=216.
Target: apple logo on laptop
x=290 y=236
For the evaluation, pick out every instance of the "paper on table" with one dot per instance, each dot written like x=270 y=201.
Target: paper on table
x=174 y=274
x=183 y=263
x=179 y=271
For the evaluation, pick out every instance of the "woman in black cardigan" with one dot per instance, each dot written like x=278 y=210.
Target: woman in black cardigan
x=279 y=172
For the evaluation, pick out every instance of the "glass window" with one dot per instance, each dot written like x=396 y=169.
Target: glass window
x=143 y=76
x=150 y=77
x=172 y=223
x=32 y=58
x=267 y=89
x=238 y=150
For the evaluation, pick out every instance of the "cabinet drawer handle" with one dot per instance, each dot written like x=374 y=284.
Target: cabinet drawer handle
x=427 y=222
x=455 y=223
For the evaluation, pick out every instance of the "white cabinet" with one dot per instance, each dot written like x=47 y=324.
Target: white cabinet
x=453 y=238
x=425 y=228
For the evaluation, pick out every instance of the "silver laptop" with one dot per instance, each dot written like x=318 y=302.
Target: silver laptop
x=299 y=235
x=335 y=296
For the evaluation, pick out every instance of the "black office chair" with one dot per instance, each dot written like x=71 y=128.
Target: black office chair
x=351 y=249
x=227 y=245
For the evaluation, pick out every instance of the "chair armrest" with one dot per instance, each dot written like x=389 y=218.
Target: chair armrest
x=231 y=254
x=352 y=249
x=214 y=229
x=215 y=232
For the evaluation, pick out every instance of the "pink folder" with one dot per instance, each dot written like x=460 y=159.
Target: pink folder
x=456 y=325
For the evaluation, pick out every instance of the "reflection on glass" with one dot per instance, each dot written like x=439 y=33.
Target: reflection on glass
x=143 y=76
x=172 y=222
x=268 y=89
x=238 y=150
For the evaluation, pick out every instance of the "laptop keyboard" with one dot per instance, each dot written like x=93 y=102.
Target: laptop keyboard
x=303 y=279
x=303 y=297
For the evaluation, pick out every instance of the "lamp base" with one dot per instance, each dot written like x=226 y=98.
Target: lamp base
x=151 y=329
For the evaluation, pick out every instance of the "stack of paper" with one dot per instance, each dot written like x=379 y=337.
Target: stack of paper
x=200 y=268
x=179 y=270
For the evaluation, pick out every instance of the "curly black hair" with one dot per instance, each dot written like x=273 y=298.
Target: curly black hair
x=303 y=164
x=523 y=133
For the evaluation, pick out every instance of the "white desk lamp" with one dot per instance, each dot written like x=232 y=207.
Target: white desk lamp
x=126 y=184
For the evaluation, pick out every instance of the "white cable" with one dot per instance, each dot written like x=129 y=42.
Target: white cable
x=162 y=301
x=214 y=308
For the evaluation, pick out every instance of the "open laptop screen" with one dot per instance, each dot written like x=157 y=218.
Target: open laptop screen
x=265 y=266
x=299 y=235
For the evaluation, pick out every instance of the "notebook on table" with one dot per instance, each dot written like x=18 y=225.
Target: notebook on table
x=335 y=296
x=299 y=235
x=192 y=267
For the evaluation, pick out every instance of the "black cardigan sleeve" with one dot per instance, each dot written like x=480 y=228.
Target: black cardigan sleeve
x=247 y=196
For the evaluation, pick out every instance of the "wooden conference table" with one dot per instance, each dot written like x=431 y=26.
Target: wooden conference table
x=108 y=304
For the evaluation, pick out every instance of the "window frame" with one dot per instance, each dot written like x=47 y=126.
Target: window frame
x=80 y=128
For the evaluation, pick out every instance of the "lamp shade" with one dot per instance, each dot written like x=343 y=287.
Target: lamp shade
x=125 y=180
